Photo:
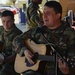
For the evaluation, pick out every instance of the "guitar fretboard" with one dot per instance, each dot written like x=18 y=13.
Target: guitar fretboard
x=45 y=58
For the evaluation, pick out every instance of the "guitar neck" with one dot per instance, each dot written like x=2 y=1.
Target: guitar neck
x=46 y=58
x=71 y=62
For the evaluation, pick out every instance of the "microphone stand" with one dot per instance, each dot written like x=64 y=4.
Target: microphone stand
x=56 y=53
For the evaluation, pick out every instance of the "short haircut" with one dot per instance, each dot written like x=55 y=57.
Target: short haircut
x=7 y=13
x=55 y=5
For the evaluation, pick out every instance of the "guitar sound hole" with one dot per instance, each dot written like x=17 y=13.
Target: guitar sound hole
x=28 y=64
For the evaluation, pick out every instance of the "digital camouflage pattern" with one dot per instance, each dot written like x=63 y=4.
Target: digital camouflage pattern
x=7 y=38
x=34 y=15
x=63 y=38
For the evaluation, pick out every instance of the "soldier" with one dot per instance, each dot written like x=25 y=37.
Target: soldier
x=57 y=35
x=8 y=32
x=34 y=15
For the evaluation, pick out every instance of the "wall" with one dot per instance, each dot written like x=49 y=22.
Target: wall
x=67 y=5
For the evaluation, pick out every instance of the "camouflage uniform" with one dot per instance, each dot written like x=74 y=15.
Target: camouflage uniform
x=7 y=38
x=63 y=38
x=34 y=15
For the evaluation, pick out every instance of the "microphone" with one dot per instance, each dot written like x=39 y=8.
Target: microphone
x=37 y=30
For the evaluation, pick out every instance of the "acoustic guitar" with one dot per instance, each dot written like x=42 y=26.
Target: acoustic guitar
x=40 y=58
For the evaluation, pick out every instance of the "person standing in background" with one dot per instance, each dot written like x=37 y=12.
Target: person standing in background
x=34 y=15
x=8 y=33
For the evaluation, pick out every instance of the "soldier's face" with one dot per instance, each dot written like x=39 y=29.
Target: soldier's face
x=7 y=22
x=50 y=18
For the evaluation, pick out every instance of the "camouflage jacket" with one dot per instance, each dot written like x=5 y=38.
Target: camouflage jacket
x=7 y=38
x=62 y=38
x=34 y=15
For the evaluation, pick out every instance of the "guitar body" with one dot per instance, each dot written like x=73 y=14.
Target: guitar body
x=20 y=64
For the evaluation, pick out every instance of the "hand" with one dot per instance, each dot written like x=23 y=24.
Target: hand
x=28 y=56
x=63 y=67
x=1 y=59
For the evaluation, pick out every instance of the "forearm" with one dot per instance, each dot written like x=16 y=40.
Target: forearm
x=19 y=42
